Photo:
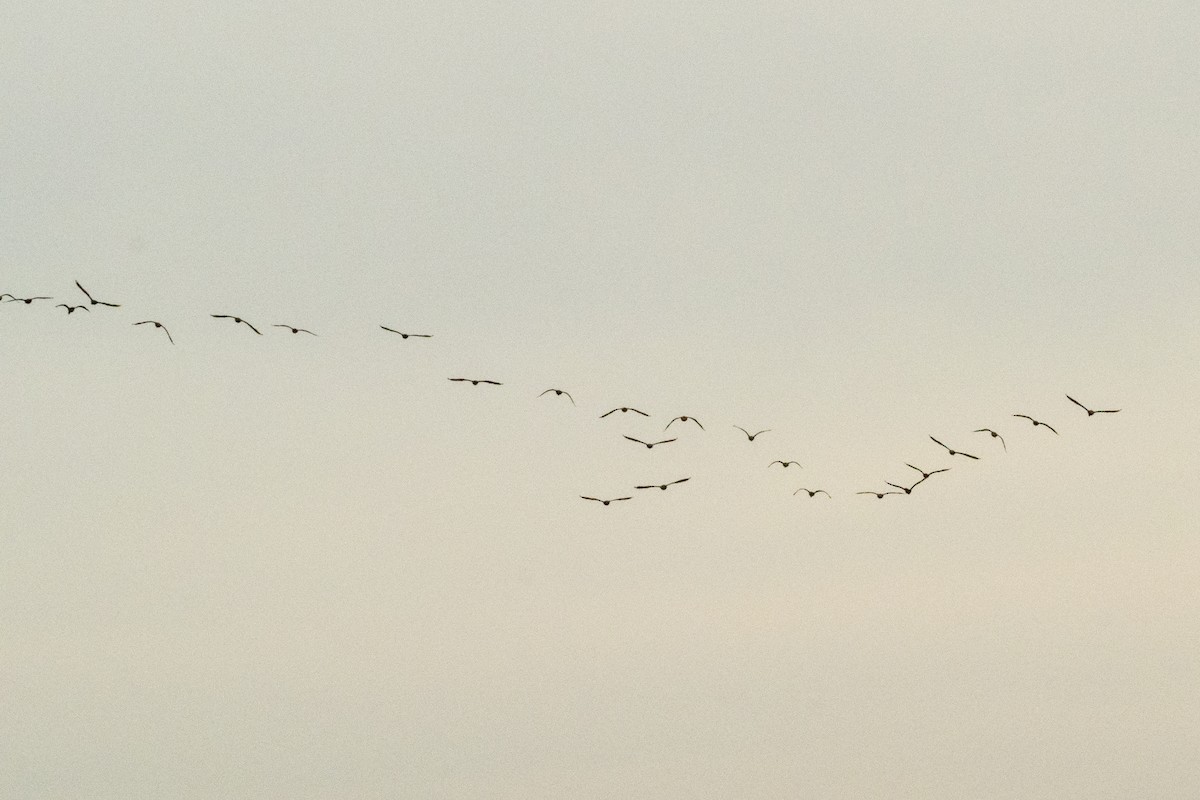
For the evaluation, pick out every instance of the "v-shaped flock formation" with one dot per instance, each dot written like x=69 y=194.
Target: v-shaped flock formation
x=899 y=489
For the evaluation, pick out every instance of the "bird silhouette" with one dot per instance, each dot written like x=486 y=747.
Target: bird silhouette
x=956 y=452
x=649 y=444
x=784 y=464
x=294 y=329
x=880 y=495
x=407 y=335
x=157 y=324
x=623 y=410
x=236 y=320
x=25 y=300
x=72 y=309
x=906 y=489
x=925 y=474
x=662 y=486
x=812 y=492
x=1091 y=411
x=685 y=419
x=1036 y=422
x=605 y=502
x=93 y=300
x=994 y=436
x=750 y=435
x=476 y=381
x=559 y=393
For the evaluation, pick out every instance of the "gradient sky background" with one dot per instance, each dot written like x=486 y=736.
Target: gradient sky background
x=312 y=567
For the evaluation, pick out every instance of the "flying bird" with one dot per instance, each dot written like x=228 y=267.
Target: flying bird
x=72 y=309
x=476 y=381
x=237 y=320
x=750 y=435
x=812 y=492
x=1091 y=411
x=157 y=325
x=649 y=444
x=662 y=486
x=559 y=393
x=93 y=300
x=606 y=502
x=878 y=494
x=25 y=300
x=994 y=436
x=624 y=409
x=784 y=464
x=955 y=452
x=685 y=419
x=906 y=489
x=925 y=474
x=294 y=329
x=1036 y=422
x=406 y=335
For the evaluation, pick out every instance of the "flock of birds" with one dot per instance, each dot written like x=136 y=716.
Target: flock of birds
x=897 y=488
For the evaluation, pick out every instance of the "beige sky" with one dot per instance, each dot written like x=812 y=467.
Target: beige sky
x=300 y=567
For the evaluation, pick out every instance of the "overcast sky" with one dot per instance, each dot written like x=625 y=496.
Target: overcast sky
x=310 y=567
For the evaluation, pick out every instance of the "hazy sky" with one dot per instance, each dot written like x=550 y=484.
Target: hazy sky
x=299 y=567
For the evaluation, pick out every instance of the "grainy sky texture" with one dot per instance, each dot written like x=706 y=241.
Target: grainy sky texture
x=311 y=567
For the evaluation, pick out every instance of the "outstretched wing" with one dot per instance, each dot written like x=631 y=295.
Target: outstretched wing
x=1076 y=402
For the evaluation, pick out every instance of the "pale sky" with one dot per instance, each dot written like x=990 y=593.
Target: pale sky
x=311 y=567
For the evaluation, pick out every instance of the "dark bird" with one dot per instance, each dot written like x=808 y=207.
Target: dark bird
x=925 y=474
x=649 y=444
x=157 y=325
x=476 y=381
x=1036 y=422
x=994 y=436
x=93 y=300
x=25 y=300
x=624 y=409
x=1091 y=410
x=237 y=320
x=878 y=494
x=406 y=335
x=72 y=309
x=956 y=452
x=750 y=435
x=294 y=329
x=685 y=419
x=812 y=492
x=662 y=486
x=906 y=489
x=559 y=393
x=606 y=502
x=784 y=464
